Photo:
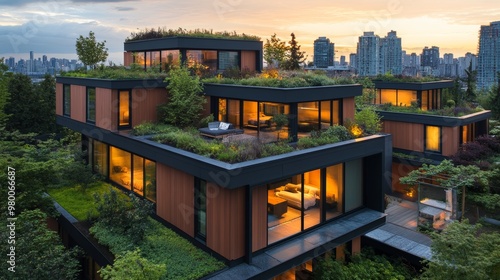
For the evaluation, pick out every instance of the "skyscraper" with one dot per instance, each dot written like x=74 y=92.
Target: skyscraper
x=488 y=55
x=32 y=62
x=430 y=57
x=368 y=54
x=391 y=54
x=323 y=52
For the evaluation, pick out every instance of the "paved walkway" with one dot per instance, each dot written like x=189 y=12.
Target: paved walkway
x=400 y=232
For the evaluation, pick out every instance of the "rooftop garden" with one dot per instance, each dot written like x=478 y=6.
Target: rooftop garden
x=121 y=223
x=163 y=32
x=281 y=79
x=450 y=110
x=405 y=79
x=116 y=73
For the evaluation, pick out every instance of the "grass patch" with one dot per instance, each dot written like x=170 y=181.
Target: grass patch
x=76 y=201
x=161 y=245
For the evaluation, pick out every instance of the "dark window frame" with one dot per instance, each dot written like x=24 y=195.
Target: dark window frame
x=88 y=113
x=129 y=125
x=200 y=187
x=66 y=100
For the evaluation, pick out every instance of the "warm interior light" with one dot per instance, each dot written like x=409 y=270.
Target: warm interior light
x=432 y=138
x=356 y=131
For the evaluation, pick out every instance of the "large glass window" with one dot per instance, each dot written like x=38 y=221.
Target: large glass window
x=91 y=104
x=388 y=96
x=124 y=112
x=250 y=115
x=234 y=112
x=334 y=190
x=353 y=185
x=222 y=109
x=312 y=198
x=100 y=158
x=139 y=58
x=308 y=116
x=228 y=60
x=202 y=59
x=425 y=100
x=138 y=175
x=152 y=59
x=200 y=206
x=120 y=167
x=67 y=100
x=150 y=179
x=169 y=58
x=432 y=138
x=406 y=97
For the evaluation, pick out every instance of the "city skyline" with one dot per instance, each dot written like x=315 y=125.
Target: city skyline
x=51 y=27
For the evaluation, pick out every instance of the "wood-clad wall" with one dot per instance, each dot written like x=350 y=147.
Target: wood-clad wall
x=400 y=170
x=78 y=103
x=408 y=136
x=450 y=140
x=145 y=102
x=348 y=108
x=175 y=197
x=106 y=109
x=226 y=221
x=259 y=218
x=248 y=60
x=128 y=58
x=59 y=99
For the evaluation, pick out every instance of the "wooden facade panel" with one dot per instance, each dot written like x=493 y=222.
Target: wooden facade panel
x=400 y=170
x=59 y=99
x=408 y=136
x=248 y=60
x=106 y=109
x=78 y=103
x=128 y=58
x=145 y=102
x=450 y=138
x=259 y=218
x=348 y=108
x=175 y=197
x=226 y=221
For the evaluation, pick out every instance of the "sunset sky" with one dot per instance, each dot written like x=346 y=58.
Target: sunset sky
x=51 y=27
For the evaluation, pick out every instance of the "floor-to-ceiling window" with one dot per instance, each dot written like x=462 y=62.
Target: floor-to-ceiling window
x=120 y=167
x=169 y=58
x=334 y=191
x=432 y=138
x=150 y=179
x=228 y=60
x=67 y=100
x=124 y=108
x=91 y=106
x=202 y=60
x=308 y=116
x=200 y=208
x=100 y=158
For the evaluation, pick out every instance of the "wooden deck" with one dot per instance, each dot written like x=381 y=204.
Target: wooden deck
x=400 y=230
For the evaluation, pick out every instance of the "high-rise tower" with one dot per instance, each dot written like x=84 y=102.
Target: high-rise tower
x=488 y=64
x=323 y=52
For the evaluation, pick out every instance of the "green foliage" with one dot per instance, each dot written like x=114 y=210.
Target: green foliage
x=487 y=200
x=449 y=176
x=131 y=266
x=405 y=79
x=284 y=79
x=450 y=103
x=123 y=215
x=331 y=135
x=39 y=253
x=470 y=93
x=275 y=51
x=89 y=51
x=31 y=107
x=453 y=111
x=79 y=202
x=149 y=128
x=116 y=73
x=295 y=57
x=494 y=99
x=206 y=120
x=366 y=265
x=162 y=246
x=337 y=131
x=162 y=32
x=185 y=100
x=368 y=120
x=461 y=251
x=4 y=93
x=368 y=92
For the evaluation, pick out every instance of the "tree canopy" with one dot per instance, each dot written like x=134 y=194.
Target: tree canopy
x=89 y=51
x=295 y=57
x=275 y=51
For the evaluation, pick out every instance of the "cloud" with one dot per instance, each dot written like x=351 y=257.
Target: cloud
x=56 y=37
x=103 y=1
x=124 y=9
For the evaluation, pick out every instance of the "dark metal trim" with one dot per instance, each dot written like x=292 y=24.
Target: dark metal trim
x=413 y=86
x=112 y=84
x=171 y=43
x=434 y=119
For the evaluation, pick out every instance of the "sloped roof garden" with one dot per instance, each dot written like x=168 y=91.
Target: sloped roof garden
x=163 y=32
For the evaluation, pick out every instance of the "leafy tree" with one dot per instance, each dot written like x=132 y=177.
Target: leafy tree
x=470 y=93
x=461 y=251
x=131 y=266
x=295 y=56
x=46 y=95
x=275 y=51
x=494 y=99
x=368 y=120
x=4 y=93
x=39 y=252
x=89 y=51
x=366 y=265
x=185 y=102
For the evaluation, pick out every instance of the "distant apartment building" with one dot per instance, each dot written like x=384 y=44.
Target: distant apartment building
x=323 y=52
x=352 y=60
x=430 y=57
x=391 y=54
x=464 y=62
x=368 y=54
x=449 y=66
x=488 y=55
